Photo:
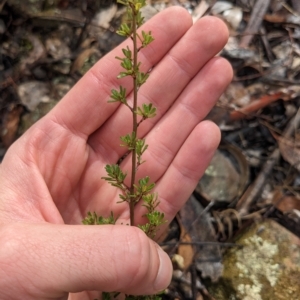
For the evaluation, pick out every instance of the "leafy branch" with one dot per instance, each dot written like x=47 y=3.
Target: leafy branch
x=142 y=190
x=132 y=190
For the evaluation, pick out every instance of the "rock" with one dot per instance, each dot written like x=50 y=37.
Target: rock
x=220 y=180
x=29 y=119
x=31 y=93
x=56 y=91
x=57 y=48
x=267 y=266
x=148 y=12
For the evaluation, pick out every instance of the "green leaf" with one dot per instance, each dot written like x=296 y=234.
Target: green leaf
x=141 y=78
x=138 y=6
x=126 y=64
x=147 y=38
x=118 y=96
x=115 y=175
x=150 y=201
x=124 y=30
x=140 y=147
x=146 y=111
x=127 y=53
x=124 y=74
x=94 y=219
x=124 y=197
x=156 y=218
x=143 y=188
x=139 y=19
x=129 y=141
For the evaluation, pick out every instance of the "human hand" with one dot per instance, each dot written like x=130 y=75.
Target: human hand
x=50 y=177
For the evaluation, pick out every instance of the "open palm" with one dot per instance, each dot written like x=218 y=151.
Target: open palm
x=52 y=174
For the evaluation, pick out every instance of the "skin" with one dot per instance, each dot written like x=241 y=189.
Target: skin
x=50 y=177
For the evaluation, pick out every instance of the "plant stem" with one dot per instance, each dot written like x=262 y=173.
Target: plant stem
x=134 y=115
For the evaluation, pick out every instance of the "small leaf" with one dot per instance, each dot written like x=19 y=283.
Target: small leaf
x=124 y=30
x=139 y=19
x=150 y=201
x=118 y=96
x=124 y=74
x=126 y=64
x=115 y=175
x=141 y=147
x=129 y=141
x=127 y=53
x=143 y=188
x=147 y=111
x=94 y=219
x=124 y=197
x=147 y=38
x=156 y=218
x=141 y=78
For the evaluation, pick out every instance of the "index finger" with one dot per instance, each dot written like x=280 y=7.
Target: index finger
x=84 y=109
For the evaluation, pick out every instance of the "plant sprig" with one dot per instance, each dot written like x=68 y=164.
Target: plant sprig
x=134 y=192
x=142 y=189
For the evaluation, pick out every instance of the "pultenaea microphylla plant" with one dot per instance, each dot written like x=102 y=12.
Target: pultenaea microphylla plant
x=141 y=189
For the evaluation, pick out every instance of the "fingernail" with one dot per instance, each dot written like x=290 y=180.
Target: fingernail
x=164 y=274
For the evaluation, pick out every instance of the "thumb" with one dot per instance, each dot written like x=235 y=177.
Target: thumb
x=47 y=261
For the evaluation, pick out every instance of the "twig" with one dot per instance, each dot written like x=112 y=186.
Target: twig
x=254 y=190
x=266 y=43
x=225 y=245
x=255 y=21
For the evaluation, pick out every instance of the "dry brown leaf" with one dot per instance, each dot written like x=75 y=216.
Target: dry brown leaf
x=290 y=151
x=208 y=258
x=185 y=251
x=82 y=58
x=10 y=125
x=282 y=18
x=288 y=204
